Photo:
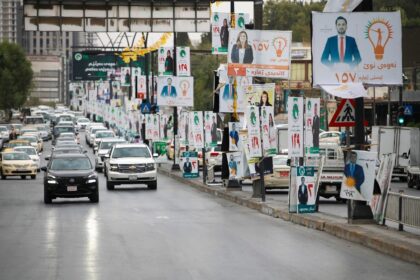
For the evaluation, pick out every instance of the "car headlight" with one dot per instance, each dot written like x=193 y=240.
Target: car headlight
x=150 y=166
x=34 y=166
x=7 y=165
x=51 y=179
x=92 y=178
x=113 y=166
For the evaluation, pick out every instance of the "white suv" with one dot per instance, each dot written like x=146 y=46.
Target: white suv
x=130 y=164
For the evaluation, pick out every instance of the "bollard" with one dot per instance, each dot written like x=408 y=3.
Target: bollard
x=400 y=200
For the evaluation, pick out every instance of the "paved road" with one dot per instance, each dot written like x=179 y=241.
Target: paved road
x=175 y=232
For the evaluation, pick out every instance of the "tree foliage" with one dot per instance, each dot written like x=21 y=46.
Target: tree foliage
x=410 y=10
x=15 y=76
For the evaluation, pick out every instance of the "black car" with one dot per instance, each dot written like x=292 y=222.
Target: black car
x=70 y=175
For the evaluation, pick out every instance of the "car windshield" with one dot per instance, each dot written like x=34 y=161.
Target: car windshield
x=131 y=152
x=2 y=128
x=40 y=128
x=279 y=160
x=106 y=145
x=17 y=126
x=104 y=134
x=94 y=130
x=16 y=144
x=16 y=156
x=67 y=151
x=59 y=130
x=83 y=120
x=29 y=151
x=30 y=139
x=35 y=120
x=71 y=164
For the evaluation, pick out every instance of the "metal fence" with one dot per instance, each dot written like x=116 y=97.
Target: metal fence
x=403 y=209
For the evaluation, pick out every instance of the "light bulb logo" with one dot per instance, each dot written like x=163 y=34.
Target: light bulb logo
x=185 y=86
x=279 y=45
x=379 y=32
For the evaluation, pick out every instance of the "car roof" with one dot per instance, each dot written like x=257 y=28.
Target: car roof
x=127 y=145
x=112 y=140
x=13 y=152
x=24 y=147
x=74 y=155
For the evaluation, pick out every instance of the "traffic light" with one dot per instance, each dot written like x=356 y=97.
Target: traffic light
x=401 y=116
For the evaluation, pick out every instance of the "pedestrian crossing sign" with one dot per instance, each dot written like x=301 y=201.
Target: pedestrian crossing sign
x=344 y=116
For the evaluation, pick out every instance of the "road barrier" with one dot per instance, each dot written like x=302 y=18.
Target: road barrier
x=402 y=209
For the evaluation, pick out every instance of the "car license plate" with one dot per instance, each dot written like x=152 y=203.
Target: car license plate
x=132 y=178
x=284 y=173
x=72 y=188
x=21 y=169
x=330 y=188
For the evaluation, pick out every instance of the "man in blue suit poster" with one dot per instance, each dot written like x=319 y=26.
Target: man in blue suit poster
x=169 y=89
x=354 y=172
x=341 y=48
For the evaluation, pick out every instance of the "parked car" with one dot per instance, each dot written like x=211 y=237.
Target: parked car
x=330 y=137
x=70 y=175
x=280 y=176
x=17 y=164
x=32 y=153
x=130 y=164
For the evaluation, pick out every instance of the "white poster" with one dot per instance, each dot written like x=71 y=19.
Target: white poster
x=359 y=176
x=125 y=76
x=152 y=127
x=235 y=88
x=197 y=129
x=254 y=132
x=184 y=127
x=135 y=77
x=234 y=140
x=259 y=53
x=260 y=94
x=210 y=128
x=175 y=91
x=312 y=126
x=183 y=61
x=268 y=130
x=165 y=61
x=357 y=48
x=236 y=165
x=295 y=128
x=166 y=126
x=347 y=91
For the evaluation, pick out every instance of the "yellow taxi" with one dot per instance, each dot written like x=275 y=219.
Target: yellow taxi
x=8 y=147
x=17 y=164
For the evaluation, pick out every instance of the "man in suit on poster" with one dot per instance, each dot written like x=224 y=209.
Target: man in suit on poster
x=315 y=127
x=354 y=172
x=303 y=192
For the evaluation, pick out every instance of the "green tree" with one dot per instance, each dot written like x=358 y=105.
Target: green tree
x=15 y=76
x=182 y=39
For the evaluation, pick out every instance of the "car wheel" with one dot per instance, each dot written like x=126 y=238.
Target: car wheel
x=33 y=177
x=47 y=198
x=22 y=176
x=94 y=197
x=110 y=185
x=3 y=177
x=152 y=185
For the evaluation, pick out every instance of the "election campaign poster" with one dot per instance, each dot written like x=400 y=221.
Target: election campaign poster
x=363 y=47
x=312 y=126
x=305 y=188
x=184 y=128
x=183 y=61
x=268 y=130
x=210 y=129
x=293 y=196
x=359 y=176
x=166 y=126
x=197 y=129
x=260 y=94
x=295 y=127
x=135 y=76
x=235 y=88
x=125 y=77
x=189 y=164
x=259 y=53
x=152 y=127
x=175 y=91
x=236 y=165
x=234 y=139
x=166 y=61
x=254 y=132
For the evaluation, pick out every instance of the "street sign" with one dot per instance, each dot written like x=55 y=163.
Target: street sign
x=408 y=110
x=344 y=116
x=145 y=107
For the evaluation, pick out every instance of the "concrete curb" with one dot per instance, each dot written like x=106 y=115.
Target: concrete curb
x=354 y=233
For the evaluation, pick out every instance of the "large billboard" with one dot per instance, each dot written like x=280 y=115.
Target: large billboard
x=117 y=16
x=357 y=48
x=259 y=53
x=96 y=66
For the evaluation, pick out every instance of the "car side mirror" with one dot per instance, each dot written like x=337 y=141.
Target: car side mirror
x=288 y=162
x=44 y=168
x=106 y=155
x=84 y=151
x=95 y=149
x=39 y=154
x=155 y=155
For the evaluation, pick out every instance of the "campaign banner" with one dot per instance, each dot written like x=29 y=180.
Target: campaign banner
x=166 y=61
x=383 y=177
x=268 y=130
x=183 y=61
x=359 y=176
x=312 y=126
x=254 y=132
x=184 y=127
x=234 y=136
x=210 y=129
x=295 y=127
x=189 y=163
x=125 y=77
x=293 y=196
x=235 y=88
x=175 y=91
x=152 y=127
x=362 y=47
x=236 y=165
x=135 y=76
x=260 y=94
x=347 y=91
x=305 y=186
x=166 y=126
x=220 y=25
x=259 y=53
x=197 y=129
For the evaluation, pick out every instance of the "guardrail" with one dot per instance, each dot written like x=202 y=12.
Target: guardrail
x=402 y=209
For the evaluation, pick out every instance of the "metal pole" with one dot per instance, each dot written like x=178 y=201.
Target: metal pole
x=400 y=201
x=262 y=184
x=175 y=166
x=374 y=107
x=388 y=119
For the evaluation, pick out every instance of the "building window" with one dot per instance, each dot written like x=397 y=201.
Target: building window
x=298 y=72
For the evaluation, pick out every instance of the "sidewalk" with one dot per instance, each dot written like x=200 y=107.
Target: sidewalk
x=402 y=245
